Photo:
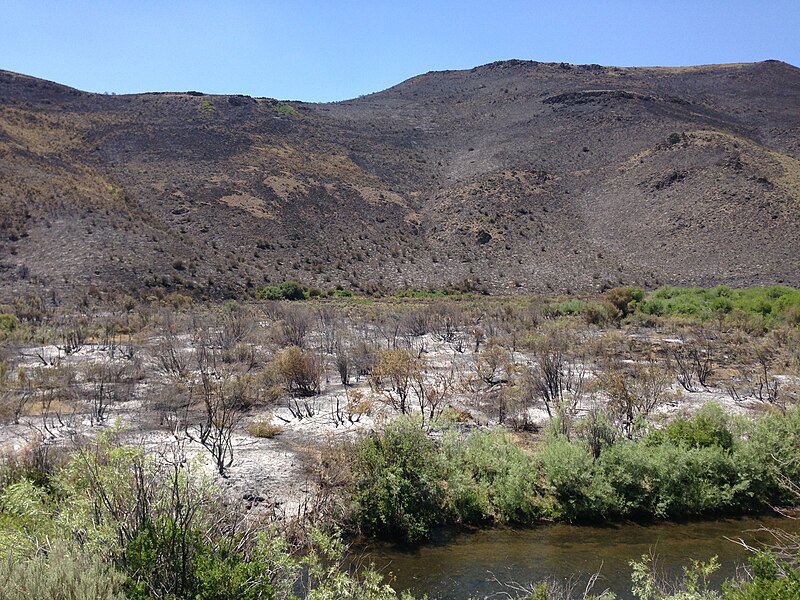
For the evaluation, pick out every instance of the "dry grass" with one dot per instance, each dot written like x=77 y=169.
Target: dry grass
x=697 y=68
x=790 y=179
x=264 y=428
x=255 y=206
x=56 y=407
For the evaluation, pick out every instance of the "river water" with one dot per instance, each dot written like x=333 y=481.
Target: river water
x=465 y=564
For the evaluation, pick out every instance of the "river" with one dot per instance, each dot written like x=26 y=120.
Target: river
x=467 y=564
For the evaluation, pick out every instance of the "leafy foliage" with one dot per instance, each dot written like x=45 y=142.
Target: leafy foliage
x=8 y=323
x=709 y=427
x=770 y=305
x=771 y=580
x=60 y=573
x=490 y=478
x=707 y=464
x=116 y=524
x=288 y=290
x=571 y=473
x=396 y=487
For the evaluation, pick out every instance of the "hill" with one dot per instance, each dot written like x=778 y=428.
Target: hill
x=514 y=176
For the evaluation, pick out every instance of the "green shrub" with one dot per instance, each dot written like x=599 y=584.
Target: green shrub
x=625 y=298
x=423 y=294
x=571 y=473
x=615 y=305
x=167 y=531
x=597 y=430
x=600 y=313
x=653 y=306
x=771 y=580
x=771 y=454
x=649 y=584
x=60 y=573
x=168 y=560
x=571 y=307
x=466 y=497
x=768 y=579
x=396 y=487
x=709 y=426
x=751 y=308
x=36 y=462
x=288 y=290
x=8 y=323
x=668 y=480
x=285 y=109
x=489 y=477
x=707 y=464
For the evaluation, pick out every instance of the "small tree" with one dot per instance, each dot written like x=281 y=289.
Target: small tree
x=634 y=391
x=224 y=395
x=329 y=326
x=559 y=381
x=446 y=320
x=432 y=393
x=398 y=369
x=300 y=369
x=597 y=429
x=106 y=382
x=224 y=399
x=296 y=322
x=396 y=482
x=344 y=361
x=170 y=353
x=493 y=364
x=233 y=325
x=365 y=356
x=517 y=399
x=694 y=363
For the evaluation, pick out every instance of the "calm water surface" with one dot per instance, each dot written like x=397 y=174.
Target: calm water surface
x=466 y=564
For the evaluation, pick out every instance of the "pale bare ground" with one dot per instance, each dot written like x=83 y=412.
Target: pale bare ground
x=278 y=474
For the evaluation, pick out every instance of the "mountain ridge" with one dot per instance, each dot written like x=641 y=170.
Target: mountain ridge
x=497 y=64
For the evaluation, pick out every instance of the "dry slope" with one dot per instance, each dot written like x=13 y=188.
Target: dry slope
x=511 y=176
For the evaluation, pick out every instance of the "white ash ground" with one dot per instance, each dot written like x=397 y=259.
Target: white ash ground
x=276 y=474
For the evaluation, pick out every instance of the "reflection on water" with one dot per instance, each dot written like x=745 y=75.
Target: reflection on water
x=467 y=564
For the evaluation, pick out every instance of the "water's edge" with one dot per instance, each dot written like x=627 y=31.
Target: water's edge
x=461 y=564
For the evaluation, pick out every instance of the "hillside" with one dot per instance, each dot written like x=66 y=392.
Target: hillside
x=513 y=176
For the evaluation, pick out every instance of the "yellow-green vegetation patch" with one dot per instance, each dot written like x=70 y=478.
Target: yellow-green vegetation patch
x=285 y=109
x=264 y=428
x=773 y=304
x=292 y=290
x=430 y=293
x=8 y=322
x=790 y=178
x=694 y=68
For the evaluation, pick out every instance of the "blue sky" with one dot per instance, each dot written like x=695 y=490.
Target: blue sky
x=319 y=51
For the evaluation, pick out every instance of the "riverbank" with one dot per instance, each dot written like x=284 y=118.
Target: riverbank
x=404 y=482
x=480 y=563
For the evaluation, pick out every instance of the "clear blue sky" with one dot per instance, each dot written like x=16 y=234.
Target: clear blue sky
x=318 y=50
